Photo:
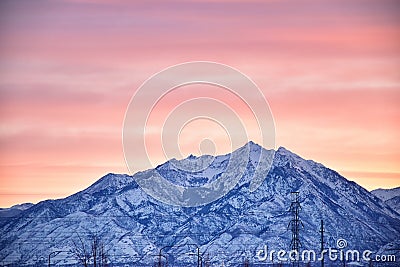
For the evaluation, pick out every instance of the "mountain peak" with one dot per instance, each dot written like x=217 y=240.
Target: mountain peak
x=191 y=156
x=110 y=182
x=252 y=144
x=253 y=147
x=116 y=206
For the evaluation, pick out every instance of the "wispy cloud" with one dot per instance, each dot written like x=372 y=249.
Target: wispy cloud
x=329 y=70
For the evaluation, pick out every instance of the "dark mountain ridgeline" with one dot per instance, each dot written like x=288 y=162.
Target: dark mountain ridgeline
x=135 y=226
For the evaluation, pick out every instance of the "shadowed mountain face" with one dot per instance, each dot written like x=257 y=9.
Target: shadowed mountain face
x=9 y=213
x=391 y=197
x=135 y=226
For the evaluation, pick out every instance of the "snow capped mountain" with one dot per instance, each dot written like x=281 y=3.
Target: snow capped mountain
x=134 y=226
x=386 y=194
x=8 y=213
x=390 y=196
x=394 y=203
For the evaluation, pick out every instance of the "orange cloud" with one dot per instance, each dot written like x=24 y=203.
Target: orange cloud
x=68 y=69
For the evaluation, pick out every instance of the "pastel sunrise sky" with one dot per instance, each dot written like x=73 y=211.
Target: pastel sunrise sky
x=330 y=71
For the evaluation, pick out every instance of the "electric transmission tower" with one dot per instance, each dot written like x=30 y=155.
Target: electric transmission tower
x=322 y=231
x=294 y=225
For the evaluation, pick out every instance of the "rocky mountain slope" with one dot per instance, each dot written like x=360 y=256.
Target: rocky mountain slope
x=134 y=226
x=390 y=196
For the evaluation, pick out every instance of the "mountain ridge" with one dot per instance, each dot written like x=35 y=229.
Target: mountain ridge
x=135 y=225
x=391 y=197
x=386 y=194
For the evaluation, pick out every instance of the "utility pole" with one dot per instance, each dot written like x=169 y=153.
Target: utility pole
x=322 y=243
x=198 y=257
x=294 y=224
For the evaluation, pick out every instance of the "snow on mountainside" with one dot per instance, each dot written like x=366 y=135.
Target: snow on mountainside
x=8 y=213
x=135 y=226
x=390 y=196
x=386 y=194
x=15 y=209
x=394 y=203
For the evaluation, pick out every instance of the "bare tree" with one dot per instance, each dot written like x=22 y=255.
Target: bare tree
x=91 y=252
x=80 y=251
x=103 y=256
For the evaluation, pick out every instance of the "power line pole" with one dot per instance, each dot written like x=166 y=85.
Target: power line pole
x=295 y=227
x=198 y=257
x=322 y=243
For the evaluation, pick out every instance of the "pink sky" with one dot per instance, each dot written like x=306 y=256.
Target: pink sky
x=329 y=70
